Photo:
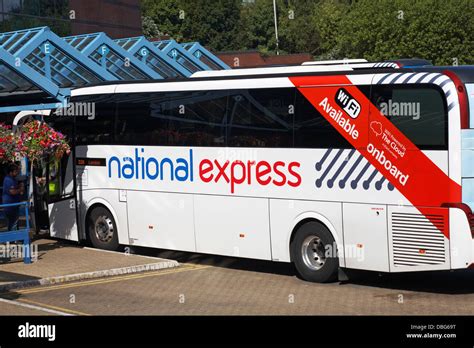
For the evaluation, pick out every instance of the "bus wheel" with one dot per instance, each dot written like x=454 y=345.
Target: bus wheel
x=308 y=253
x=102 y=229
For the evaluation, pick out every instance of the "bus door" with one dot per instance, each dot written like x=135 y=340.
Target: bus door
x=55 y=194
x=61 y=198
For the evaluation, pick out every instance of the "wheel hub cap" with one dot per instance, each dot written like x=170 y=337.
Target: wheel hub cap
x=313 y=253
x=104 y=229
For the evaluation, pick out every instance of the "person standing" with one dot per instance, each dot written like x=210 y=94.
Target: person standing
x=12 y=193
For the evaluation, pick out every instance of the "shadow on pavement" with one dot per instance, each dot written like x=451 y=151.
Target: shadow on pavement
x=220 y=261
x=438 y=282
x=43 y=247
x=10 y=277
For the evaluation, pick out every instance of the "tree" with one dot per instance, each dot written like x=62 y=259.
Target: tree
x=326 y=19
x=212 y=23
x=256 y=27
x=431 y=29
x=297 y=31
x=150 y=28
x=437 y=30
x=166 y=15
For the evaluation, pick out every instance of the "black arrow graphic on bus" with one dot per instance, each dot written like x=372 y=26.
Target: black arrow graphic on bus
x=342 y=183
x=378 y=184
x=334 y=177
x=321 y=161
x=319 y=182
x=356 y=180
x=367 y=182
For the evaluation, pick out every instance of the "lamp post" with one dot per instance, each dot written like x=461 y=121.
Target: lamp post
x=276 y=26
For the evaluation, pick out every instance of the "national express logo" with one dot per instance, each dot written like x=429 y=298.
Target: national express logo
x=233 y=173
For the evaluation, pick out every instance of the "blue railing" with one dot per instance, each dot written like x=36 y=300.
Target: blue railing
x=20 y=234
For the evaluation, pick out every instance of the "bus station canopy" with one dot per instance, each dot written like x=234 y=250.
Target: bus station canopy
x=20 y=82
x=107 y=53
x=38 y=68
x=177 y=52
x=201 y=53
x=153 y=57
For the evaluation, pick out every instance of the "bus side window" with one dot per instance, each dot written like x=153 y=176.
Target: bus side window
x=418 y=111
x=196 y=118
x=261 y=117
x=135 y=123
x=312 y=130
x=95 y=122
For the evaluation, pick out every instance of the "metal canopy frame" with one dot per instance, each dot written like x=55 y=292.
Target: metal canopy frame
x=200 y=52
x=37 y=60
x=48 y=54
x=42 y=67
x=111 y=56
x=153 y=57
x=181 y=56
x=21 y=78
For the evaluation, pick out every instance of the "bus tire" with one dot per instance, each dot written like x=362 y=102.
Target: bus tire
x=102 y=229
x=308 y=253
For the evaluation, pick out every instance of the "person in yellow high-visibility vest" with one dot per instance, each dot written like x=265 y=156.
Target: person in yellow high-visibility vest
x=53 y=186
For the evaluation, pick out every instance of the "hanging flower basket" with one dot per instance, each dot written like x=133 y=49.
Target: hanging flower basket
x=34 y=140
x=38 y=139
x=9 y=145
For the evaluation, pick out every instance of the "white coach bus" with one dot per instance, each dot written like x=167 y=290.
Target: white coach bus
x=328 y=167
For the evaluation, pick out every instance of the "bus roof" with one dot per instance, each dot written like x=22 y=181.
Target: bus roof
x=271 y=70
x=335 y=62
x=259 y=73
x=464 y=72
x=299 y=69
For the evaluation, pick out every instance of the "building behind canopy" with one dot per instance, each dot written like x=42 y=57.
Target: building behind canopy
x=72 y=17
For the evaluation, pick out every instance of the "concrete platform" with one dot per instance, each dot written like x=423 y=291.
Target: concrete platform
x=59 y=262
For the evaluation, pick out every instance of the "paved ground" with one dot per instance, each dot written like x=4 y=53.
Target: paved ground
x=21 y=309
x=219 y=285
x=61 y=260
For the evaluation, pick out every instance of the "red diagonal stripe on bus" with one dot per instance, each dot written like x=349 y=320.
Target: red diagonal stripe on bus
x=426 y=185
